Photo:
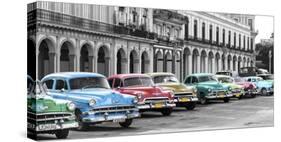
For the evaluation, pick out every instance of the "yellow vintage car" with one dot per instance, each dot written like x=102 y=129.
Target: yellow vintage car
x=184 y=96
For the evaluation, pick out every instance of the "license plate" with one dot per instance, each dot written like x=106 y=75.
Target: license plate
x=118 y=120
x=47 y=127
x=184 y=100
x=158 y=105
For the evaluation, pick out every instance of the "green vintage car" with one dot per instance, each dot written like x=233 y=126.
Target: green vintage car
x=46 y=114
x=208 y=87
x=184 y=96
x=236 y=90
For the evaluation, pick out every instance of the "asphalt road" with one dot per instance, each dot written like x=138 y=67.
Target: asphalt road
x=245 y=113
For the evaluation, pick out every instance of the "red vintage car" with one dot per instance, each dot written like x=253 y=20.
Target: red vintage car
x=249 y=87
x=150 y=97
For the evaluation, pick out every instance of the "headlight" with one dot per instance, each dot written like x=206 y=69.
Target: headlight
x=135 y=100
x=92 y=102
x=209 y=90
x=139 y=96
x=195 y=90
x=71 y=106
x=229 y=88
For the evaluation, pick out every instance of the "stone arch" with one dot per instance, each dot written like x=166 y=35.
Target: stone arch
x=217 y=62
x=121 y=61
x=203 y=61
x=210 y=62
x=86 y=58
x=51 y=43
x=103 y=58
x=134 y=61
x=195 y=62
x=67 y=56
x=145 y=62
x=229 y=59
x=159 y=60
x=186 y=61
x=168 y=61
x=46 y=57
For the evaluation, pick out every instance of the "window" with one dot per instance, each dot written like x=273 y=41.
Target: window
x=61 y=84
x=239 y=42
x=229 y=38
x=110 y=82
x=248 y=42
x=244 y=42
x=117 y=83
x=186 y=29
x=203 y=31
x=211 y=33
x=195 y=29
x=188 y=80
x=250 y=23
x=218 y=35
x=194 y=80
x=252 y=42
x=49 y=84
x=223 y=36
x=234 y=40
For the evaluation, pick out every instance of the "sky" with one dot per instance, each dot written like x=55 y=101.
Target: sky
x=264 y=25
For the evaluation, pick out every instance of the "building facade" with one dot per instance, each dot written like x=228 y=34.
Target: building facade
x=114 y=39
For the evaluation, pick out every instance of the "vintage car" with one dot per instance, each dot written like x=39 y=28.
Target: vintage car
x=46 y=114
x=208 y=87
x=95 y=101
x=185 y=96
x=236 y=90
x=150 y=97
x=263 y=87
x=249 y=87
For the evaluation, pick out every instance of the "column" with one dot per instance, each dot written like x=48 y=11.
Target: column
x=213 y=65
x=189 y=64
x=107 y=66
x=72 y=66
x=220 y=64
x=206 y=64
x=231 y=65
x=37 y=57
x=198 y=64
x=58 y=62
x=91 y=63
x=52 y=62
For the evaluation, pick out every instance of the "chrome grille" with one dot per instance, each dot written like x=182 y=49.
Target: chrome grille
x=155 y=100
x=46 y=117
x=113 y=109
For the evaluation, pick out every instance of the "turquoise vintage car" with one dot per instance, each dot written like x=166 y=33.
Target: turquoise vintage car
x=263 y=87
x=236 y=89
x=95 y=101
x=208 y=87
x=46 y=114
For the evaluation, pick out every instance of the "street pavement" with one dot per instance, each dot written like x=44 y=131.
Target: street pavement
x=245 y=113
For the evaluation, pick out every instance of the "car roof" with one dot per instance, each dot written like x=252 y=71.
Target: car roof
x=226 y=76
x=128 y=75
x=201 y=74
x=70 y=75
x=159 y=73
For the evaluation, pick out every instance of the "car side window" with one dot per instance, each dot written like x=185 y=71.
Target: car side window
x=194 y=80
x=249 y=80
x=188 y=80
x=117 y=83
x=110 y=82
x=61 y=84
x=48 y=84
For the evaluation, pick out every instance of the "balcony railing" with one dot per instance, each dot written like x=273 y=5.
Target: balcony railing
x=46 y=16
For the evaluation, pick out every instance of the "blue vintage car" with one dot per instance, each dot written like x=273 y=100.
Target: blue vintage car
x=263 y=87
x=95 y=101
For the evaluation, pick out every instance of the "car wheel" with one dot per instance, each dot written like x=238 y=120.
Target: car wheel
x=62 y=134
x=263 y=92
x=253 y=95
x=32 y=135
x=203 y=101
x=190 y=106
x=226 y=100
x=240 y=97
x=81 y=125
x=167 y=111
x=127 y=123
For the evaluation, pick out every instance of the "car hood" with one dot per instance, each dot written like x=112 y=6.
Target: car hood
x=233 y=85
x=212 y=84
x=103 y=97
x=146 y=91
x=46 y=104
x=176 y=87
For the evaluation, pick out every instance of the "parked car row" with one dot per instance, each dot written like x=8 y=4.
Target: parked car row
x=63 y=101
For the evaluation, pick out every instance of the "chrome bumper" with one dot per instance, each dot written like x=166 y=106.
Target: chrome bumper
x=219 y=96
x=156 y=106
x=52 y=126
x=185 y=99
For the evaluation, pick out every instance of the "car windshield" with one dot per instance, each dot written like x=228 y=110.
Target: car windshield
x=88 y=82
x=165 y=78
x=239 y=80
x=207 y=78
x=138 y=81
x=225 y=80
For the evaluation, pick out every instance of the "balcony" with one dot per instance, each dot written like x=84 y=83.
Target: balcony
x=170 y=15
x=168 y=41
x=50 y=17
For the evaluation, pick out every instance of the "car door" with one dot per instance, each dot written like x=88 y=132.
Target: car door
x=60 y=89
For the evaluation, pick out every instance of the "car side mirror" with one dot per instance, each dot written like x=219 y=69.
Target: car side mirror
x=62 y=90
